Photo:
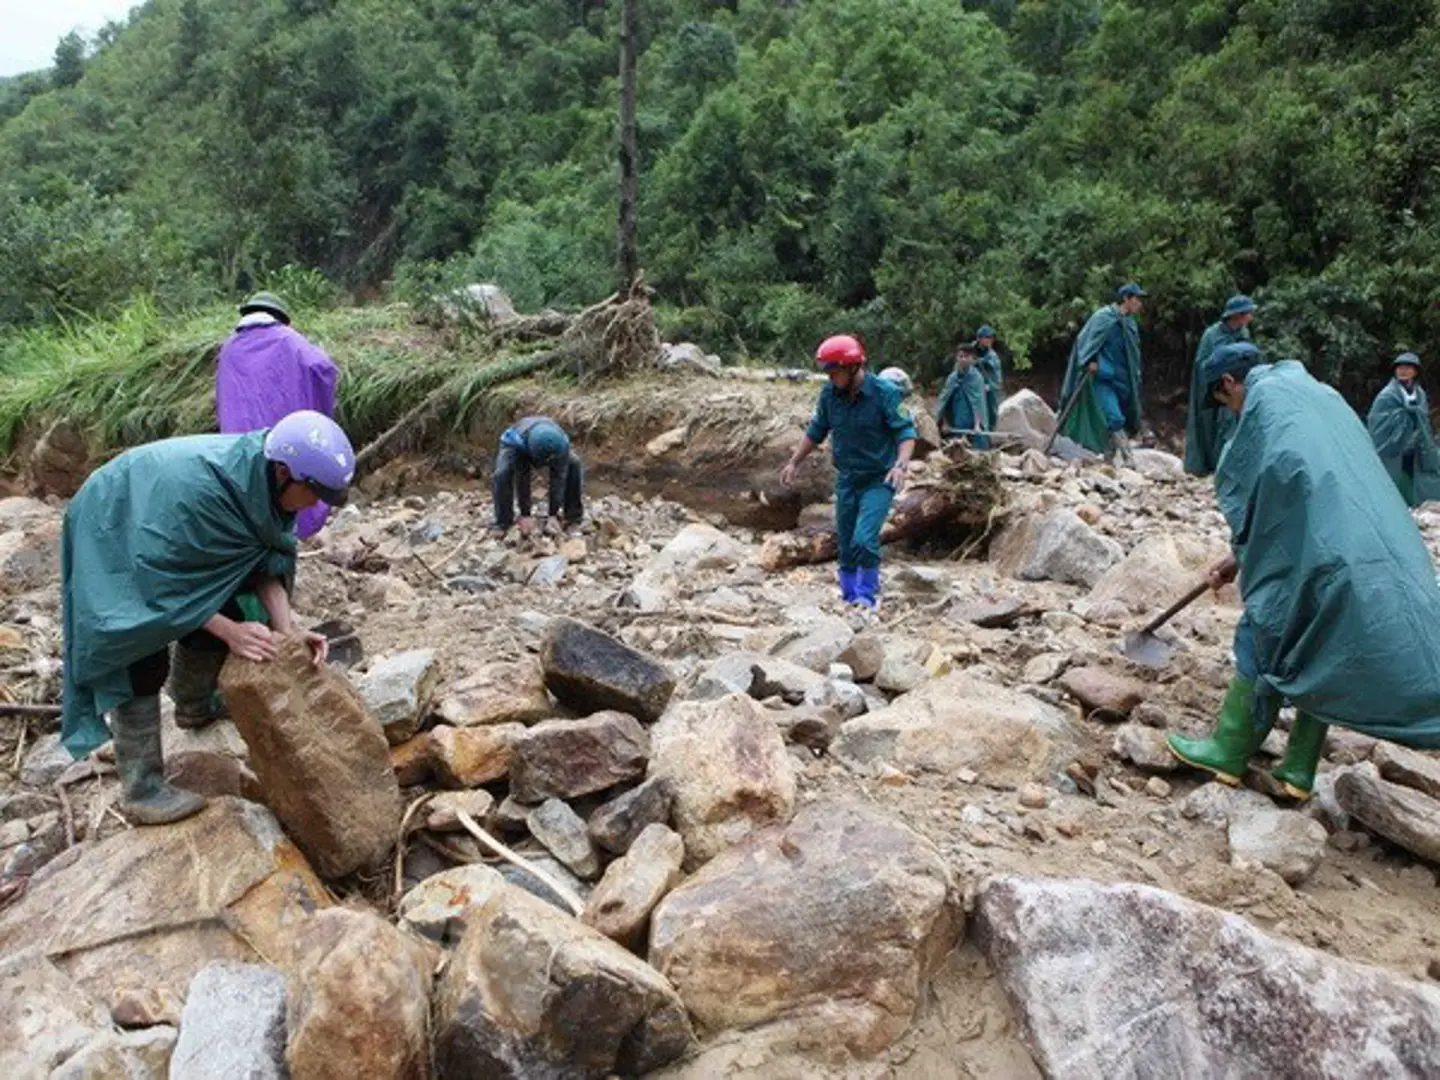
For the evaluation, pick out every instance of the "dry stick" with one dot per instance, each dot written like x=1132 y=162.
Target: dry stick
x=572 y=901
x=400 y=845
x=69 y=814
x=9 y=709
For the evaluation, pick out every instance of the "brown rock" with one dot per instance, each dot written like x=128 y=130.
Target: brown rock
x=865 y=655
x=567 y=758
x=208 y=773
x=1100 y=688
x=30 y=557
x=502 y=693
x=442 y=811
x=44 y=1017
x=615 y=825
x=1126 y=980
x=836 y=920
x=331 y=784
x=134 y=917
x=411 y=761
x=468 y=757
x=359 y=999
x=60 y=461
x=726 y=768
x=1407 y=768
x=591 y=671
x=621 y=904
x=530 y=992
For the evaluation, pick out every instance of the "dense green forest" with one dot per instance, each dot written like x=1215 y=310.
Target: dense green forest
x=906 y=169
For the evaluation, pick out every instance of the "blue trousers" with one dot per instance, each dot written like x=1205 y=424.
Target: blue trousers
x=861 y=506
x=1112 y=400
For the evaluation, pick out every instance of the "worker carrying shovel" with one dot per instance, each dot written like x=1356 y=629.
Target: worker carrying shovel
x=193 y=540
x=1340 y=596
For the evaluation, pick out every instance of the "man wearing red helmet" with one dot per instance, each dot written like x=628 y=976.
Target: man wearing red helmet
x=874 y=438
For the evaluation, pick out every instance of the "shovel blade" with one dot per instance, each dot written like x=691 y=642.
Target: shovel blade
x=1146 y=649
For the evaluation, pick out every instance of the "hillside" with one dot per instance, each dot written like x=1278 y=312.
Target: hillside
x=908 y=169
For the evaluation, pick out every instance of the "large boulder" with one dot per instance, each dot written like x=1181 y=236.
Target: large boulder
x=321 y=757
x=727 y=771
x=1127 y=980
x=137 y=915
x=590 y=672
x=757 y=674
x=1104 y=689
x=693 y=549
x=500 y=693
x=1056 y=546
x=359 y=1003
x=1401 y=815
x=233 y=1025
x=1156 y=573
x=530 y=992
x=1407 y=768
x=397 y=691
x=1025 y=415
x=45 y=1019
x=960 y=722
x=567 y=758
x=837 y=919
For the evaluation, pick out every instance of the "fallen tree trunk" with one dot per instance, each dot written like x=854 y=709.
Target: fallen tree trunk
x=957 y=490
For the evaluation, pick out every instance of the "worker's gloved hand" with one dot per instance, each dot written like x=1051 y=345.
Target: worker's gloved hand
x=552 y=527
x=319 y=647
x=251 y=641
x=526 y=526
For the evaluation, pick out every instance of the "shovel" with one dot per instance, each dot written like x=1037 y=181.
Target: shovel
x=1143 y=647
x=1068 y=409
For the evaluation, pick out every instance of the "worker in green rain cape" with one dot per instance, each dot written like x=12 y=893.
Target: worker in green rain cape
x=1103 y=376
x=1399 y=424
x=991 y=372
x=1208 y=423
x=961 y=410
x=1340 y=595
x=166 y=543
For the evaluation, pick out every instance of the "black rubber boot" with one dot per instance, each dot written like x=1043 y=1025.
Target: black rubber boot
x=195 y=686
x=148 y=797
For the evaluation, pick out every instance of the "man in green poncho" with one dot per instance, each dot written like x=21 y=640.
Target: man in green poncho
x=991 y=372
x=1399 y=423
x=961 y=410
x=1207 y=423
x=1104 y=371
x=1340 y=594
x=157 y=547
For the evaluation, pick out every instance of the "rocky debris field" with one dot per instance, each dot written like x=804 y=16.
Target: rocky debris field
x=623 y=803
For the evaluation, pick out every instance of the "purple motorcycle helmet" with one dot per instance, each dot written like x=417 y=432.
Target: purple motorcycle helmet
x=316 y=452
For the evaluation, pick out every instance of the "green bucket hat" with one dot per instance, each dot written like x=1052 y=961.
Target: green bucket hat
x=1239 y=304
x=267 y=302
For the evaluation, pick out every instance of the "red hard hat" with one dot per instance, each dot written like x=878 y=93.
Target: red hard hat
x=842 y=350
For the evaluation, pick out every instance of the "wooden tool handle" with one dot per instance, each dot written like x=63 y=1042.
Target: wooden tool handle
x=1197 y=591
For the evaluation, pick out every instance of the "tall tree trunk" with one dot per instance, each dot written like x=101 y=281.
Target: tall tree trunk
x=629 y=163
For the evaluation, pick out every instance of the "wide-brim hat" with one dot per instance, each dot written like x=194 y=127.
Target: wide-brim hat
x=267 y=302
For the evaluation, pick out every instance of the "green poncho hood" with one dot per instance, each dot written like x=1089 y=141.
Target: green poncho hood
x=1208 y=423
x=1399 y=424
x=153 y=545
x=1337 y=581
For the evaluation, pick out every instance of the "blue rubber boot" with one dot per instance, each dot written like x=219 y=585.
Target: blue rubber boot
x=867 y=587
x=847 y=584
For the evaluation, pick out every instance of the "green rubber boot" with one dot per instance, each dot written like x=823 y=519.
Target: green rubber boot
x=148 y=799
x=194 y=686
x=1295 y=774
x=1226 y=753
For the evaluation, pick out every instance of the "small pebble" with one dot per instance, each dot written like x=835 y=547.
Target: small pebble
x=1157 y=787
x=1034 y=797
x=1344 y=841
x=1069 y=828
x=967 y=776
x=1099 y=847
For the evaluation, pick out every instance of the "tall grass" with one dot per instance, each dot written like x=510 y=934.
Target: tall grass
x=142 y=375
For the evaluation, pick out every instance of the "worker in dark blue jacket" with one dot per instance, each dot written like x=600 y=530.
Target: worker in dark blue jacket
x=537 y=441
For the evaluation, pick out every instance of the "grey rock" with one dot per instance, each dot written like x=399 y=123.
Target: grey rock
x=1408 y=768
x=921 y=580
x=45 y=761
x=823 y=643
x=900 y=675
x=523 y=879
x=549 y=571
x=567 y=758
x=847 y=699
x=44 y=1017
x=615 y=825
x=1401 y=815
x=233 y=1024
x=1129 y=981
x=1284 y=841
x=1055 y=547
x=436 y=908
x=398 y=689
x=865 y=654
x=1144 y=747
x=130 y=1055
x=1216 y=805
x=590 y=671
x=563 y=832
x=756 y=675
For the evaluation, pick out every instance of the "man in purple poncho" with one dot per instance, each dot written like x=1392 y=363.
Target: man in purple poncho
x=268 y=370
